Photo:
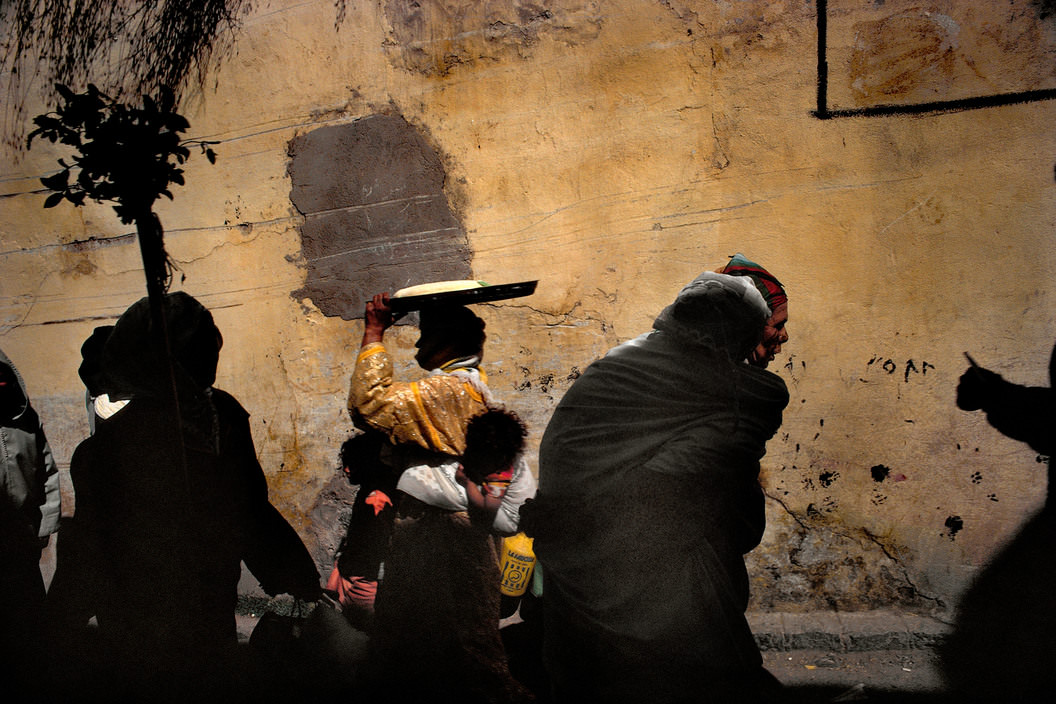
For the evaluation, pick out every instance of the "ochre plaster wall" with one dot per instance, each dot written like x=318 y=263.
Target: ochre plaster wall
x=613 y=150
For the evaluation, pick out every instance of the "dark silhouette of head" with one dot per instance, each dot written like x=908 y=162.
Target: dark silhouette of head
x=361 y=457
x=447 y=333
x=494 y=439
x=131 y=362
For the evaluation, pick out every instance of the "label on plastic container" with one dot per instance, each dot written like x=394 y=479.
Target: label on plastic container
x=517 y=563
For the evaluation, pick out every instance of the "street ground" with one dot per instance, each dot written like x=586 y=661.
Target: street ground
x=820 y=675
x=862 y=676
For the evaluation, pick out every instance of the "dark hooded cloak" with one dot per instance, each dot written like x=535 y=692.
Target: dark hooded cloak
x=648 y=499
x=169 y=507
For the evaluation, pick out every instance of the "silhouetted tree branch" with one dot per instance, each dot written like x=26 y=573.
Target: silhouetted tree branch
x=128 y=156
x=125 y=155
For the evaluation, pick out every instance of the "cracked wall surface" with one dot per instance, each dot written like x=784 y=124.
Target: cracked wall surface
x=613 y=151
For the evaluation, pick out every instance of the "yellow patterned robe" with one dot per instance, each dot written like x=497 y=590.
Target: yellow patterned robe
x=431 y=413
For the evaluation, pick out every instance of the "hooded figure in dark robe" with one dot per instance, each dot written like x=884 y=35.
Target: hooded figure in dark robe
x=29 y=513
x=648 y=500
x=168 y=505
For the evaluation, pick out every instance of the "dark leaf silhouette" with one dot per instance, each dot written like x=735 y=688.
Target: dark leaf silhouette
x=57 y=182
x=127 y=155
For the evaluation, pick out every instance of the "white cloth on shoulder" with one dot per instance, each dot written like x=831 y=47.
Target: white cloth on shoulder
x=105 y=408
x=436 y=485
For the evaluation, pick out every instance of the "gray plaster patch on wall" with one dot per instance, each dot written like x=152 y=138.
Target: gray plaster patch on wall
x=375 y=214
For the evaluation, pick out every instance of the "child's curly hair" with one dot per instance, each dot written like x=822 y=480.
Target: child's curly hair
x=494 y=439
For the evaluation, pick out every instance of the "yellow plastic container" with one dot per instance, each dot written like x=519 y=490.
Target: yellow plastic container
x=518 y=561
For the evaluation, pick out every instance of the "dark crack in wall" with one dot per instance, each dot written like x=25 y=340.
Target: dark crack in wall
x=825 y=564
x=376 y=217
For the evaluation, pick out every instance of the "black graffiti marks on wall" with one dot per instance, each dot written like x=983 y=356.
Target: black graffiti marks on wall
x=905 y=370
x=976 y=479
x=826 y=505
x=546 y=382
x=542 y=382
x=791 y=367
x=882 y=473
x=879 y=473
x=954 y=525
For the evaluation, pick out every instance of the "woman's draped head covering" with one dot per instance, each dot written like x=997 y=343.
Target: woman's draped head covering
x=717 y=311
x=14 y=399
x=772 y=290
x=131 y=365
x=91 y=369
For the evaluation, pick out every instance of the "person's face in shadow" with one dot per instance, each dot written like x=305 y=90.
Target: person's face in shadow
x=434 y=348
x=478 y=463
x=775 y=334
x=12 y=400
x=202 y=354
x=446 y=335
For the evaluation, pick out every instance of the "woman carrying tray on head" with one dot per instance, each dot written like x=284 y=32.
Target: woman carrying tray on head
x=426 y=422
x=426 y=419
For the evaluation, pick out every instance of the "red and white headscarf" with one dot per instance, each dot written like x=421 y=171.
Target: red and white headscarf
x=772 y=290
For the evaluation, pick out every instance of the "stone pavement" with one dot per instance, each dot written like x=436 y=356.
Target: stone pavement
x=831 y=631
x=845 y=632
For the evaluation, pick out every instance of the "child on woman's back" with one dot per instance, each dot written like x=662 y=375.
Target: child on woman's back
x=494 y=441
x=438 y=606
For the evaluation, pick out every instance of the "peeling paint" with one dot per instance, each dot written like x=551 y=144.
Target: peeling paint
x=826 y=563
x=439 y=38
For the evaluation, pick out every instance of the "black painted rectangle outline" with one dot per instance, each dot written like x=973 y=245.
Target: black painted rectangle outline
x=824 y=113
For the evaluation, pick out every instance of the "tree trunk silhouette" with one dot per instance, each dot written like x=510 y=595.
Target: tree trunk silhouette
x=151 y=238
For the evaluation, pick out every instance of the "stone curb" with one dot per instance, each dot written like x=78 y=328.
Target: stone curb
x=846 y=632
